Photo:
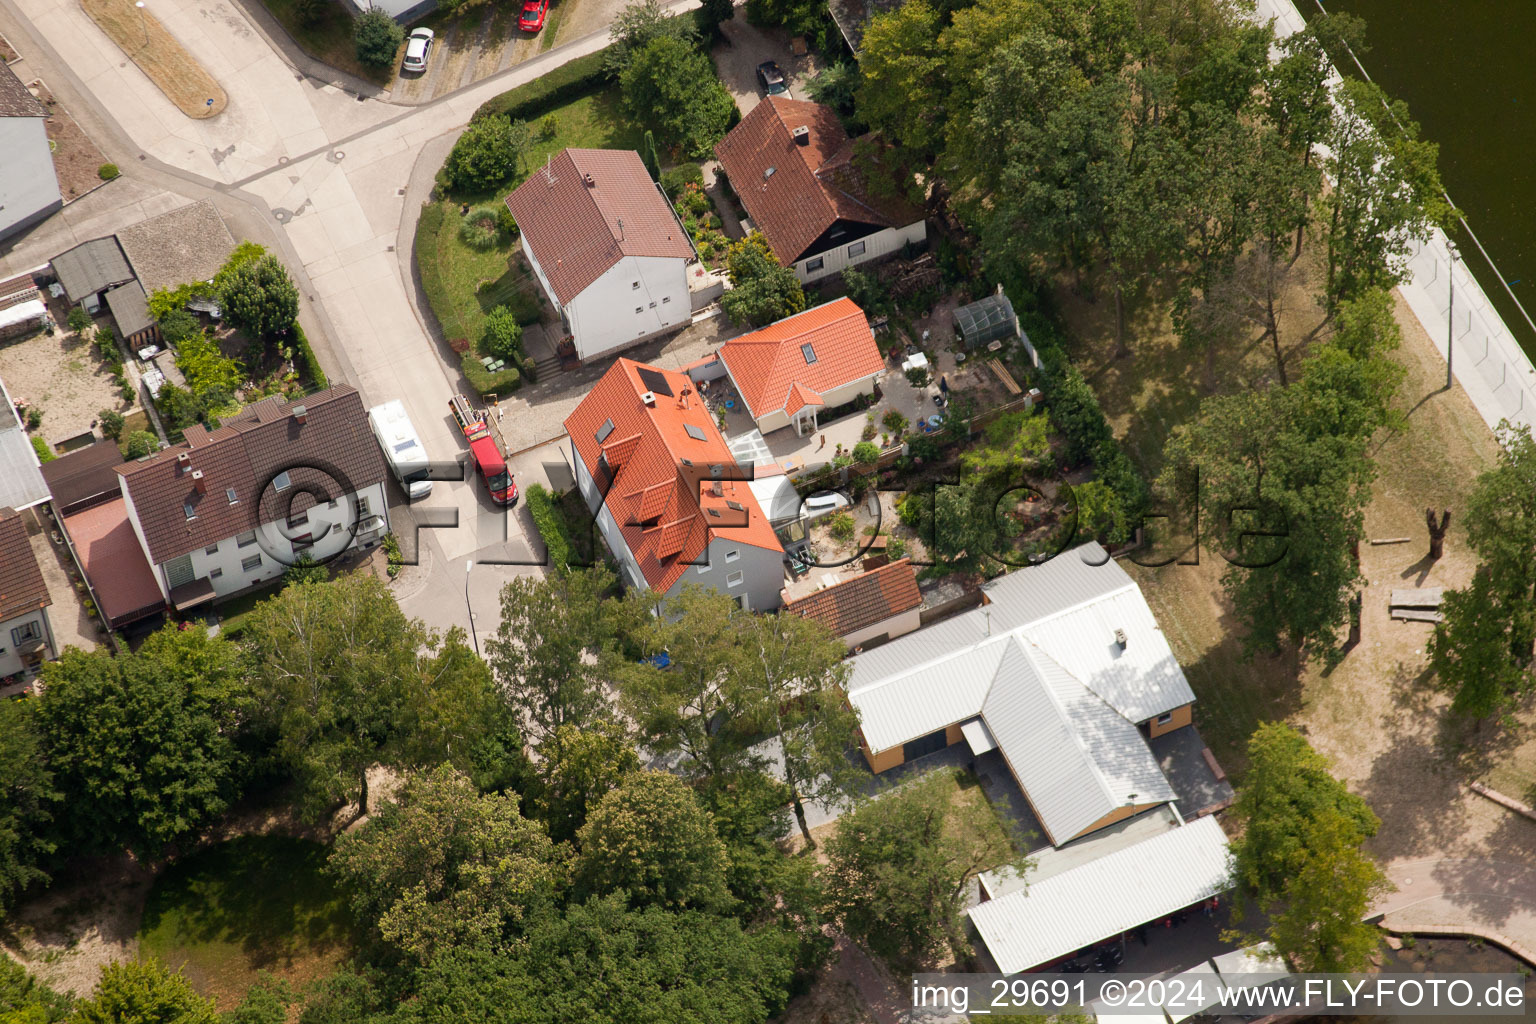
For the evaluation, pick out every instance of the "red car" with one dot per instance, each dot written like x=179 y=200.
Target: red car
x=533 y=15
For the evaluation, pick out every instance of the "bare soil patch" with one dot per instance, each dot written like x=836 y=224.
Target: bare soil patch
x=63 y=375
x=76 y=160
x=159 y=55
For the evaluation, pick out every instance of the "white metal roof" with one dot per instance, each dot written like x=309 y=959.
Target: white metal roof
x=1105 y=897
x=923 y=700
x=1201 y=978
x=1074 y=756
x=21 y=478
x=32 y=309
x=777 y=496
x=1258 y=959
x=978 y=737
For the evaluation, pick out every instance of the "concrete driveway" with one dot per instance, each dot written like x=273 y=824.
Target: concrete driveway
x=746 y=46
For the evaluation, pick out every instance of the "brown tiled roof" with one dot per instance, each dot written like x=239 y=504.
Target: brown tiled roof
x=15 y=99
x=21 y=582
x=189 y=243
x=793 y=193
x=333 y=451
x=84 y=476
x=123 y=581
x=578 y=231
x=863 y=600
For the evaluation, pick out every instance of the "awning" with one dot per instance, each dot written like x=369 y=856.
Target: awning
x=978 y=736
x=190 y=595
x=1200 y=978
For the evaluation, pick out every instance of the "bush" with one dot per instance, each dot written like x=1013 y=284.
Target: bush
x=482 y=226
x=842 y=525
x=106 y=172
x=44 y=453
x=680 y=177
x=895 y=547
x=177 y=325
x=377 y=37
x=503 y=337
x=111 y=423
x=486 y=154
x=311 y=365
x=139 y=444
x=567 y=82
x=34 y=418
x=541 y=505
x=915 y=509
x=865 y=453
x=392 y=557
x=1072 y=406
x=549 y=127
x=505 y=222
x=484 y=382
x=868 y=292
x=894 y=422
x=259 y=297
x=78 y=319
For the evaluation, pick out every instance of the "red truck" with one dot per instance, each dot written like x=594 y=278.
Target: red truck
x=483 y=449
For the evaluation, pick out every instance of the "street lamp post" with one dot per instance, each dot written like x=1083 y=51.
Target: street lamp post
x=1450 y=316
x=144 y=25
x=468 y=565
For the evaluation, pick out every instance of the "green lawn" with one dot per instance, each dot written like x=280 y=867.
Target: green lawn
x=254 y=903
x=453 y=273
x=329 y=39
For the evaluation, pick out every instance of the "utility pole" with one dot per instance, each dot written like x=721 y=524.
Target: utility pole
x=1450 y=316
x=468 y=565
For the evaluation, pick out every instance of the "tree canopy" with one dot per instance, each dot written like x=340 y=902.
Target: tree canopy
x=260 y=298
x=670 y=85
x=761 y=290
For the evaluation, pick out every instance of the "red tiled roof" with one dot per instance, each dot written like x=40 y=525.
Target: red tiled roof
x=666 y=508
x=21 y=582
x=577 y=231
x=793 y=193
x=863 y=600
x=769 y=367
x=114 y=562
x=333 y=448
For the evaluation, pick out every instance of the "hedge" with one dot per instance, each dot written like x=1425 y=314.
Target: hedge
x=311 y=364
x=569 y=81
x=541 y=505
x=502 y=382
x=44 y=453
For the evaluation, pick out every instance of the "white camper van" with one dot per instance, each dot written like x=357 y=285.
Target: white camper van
x=402 y=447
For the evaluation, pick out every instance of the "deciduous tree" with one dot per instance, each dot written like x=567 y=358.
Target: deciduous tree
x=672 y=87
x=650 y=837
x=578 y=767
x=376 y=38
x=1471 y=649
x=27 y=796
x=486 y=155
x=761 y=290
x=260 y=298
x=442 y=866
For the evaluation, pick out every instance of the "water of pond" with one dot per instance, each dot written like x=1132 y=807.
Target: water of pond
x=1466 y=72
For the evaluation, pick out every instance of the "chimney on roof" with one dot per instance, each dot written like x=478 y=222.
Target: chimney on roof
x=717 y=489
x=301 y=414
x=183 y=460
x=621 y=229
x=649 y=398
x=199 y=482
x=682 y=398
x=591 y=183
x=1120 y=638
x=802 y=135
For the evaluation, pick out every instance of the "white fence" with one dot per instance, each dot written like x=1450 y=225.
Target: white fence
x=1487 y=361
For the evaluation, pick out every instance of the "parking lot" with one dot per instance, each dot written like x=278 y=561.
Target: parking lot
x=746 y=46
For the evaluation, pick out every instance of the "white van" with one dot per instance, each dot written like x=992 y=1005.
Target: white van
x=402 y=447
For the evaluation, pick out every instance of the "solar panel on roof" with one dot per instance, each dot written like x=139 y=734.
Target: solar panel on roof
x=694 y=432
x=603 y=431
x=655 y=382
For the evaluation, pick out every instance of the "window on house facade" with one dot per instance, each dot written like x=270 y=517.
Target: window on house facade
x=27 y=632
x=811 y=266
x=211 y=549
x=215 y=574
x=298 y=520
x=361 y=508
x=856 y=249
x=666 y=299
x=254 y=562
x=246 y=539
x=1164 y=719
x=639 y=309
x=731 y=556
x=734 y=579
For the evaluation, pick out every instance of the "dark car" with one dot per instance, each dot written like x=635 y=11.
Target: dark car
x=771 y=77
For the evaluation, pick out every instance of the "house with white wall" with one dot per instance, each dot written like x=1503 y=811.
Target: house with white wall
x=29 y=188
x=606 y=247
x=795 y=170
x=26 y=636
x=790 y=371
x=665 y=490
x=232 y=508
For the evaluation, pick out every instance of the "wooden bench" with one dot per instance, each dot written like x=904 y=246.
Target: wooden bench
x=1210 y=762
x=1001 y=373
x=1417 y=615
x=1420 y=597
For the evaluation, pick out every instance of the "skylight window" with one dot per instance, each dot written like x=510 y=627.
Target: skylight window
x=229 y=492
x=603 y=431
x=736 y=506
x=694 y=432
x=188 y=508
x=714 y=512
x=282 y=481
x=809 y=352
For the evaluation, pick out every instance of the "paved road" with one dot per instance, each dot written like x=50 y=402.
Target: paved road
x=1493 y=899
x=323 y=171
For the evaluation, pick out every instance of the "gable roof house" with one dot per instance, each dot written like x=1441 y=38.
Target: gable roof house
x=606 y=247
x=29 y=188
x=667 y=495
x=1063 y=680
x=819 y=359
x=792 y=165
x=26 y=636
x=869 y=608
x=230 y=508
